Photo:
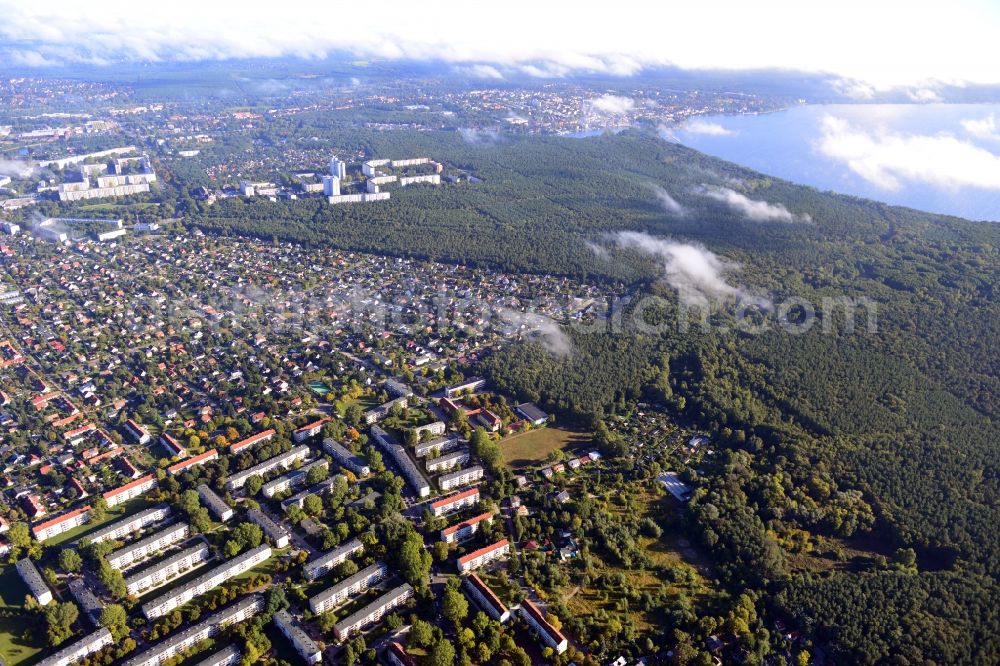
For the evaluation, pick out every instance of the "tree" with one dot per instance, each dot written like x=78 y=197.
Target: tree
x=253 y=484
x=115 y=618
x=443 y=654
x=421 y=634
x=19 y=535
x=98 y=510
x=313 y=505
x=440 y=551
x=59 y=618
x=454 y=606
x=316 y=474
x=70 y=560
x=275 y=601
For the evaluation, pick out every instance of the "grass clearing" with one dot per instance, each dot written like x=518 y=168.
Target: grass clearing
x=535 y=446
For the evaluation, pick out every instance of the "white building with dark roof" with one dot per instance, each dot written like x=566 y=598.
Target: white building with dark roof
x=278 y=534
x=325 y=563
x=299 y=639
x=334 y=596
x=130 y=525
x=33 y=580
x=159 y=573
x=345 y=458
x=128 y=555
x=460 y=477
x=80 y=649
x=215 y=504
x=373 y=612
x=285 y=460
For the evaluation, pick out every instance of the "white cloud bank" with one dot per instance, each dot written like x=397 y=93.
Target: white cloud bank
x=669 y=204
x=535 y=38
x=706 y=128
x=695 y=273
x=753 y=209
x=539 y=328
x=612 y=105
x=889 y=160
x=983 y=128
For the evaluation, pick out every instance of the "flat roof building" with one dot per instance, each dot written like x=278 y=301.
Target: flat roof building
x=177 y=597
x=130 y=525
x=374 y=611
x=323 y=564
x=215 y=504
x=345 y=458
x=435 y=447
x=448 y=461
x=227 y=656
x=410 y=471
x=140 y=550
x=79 y=650
x=34 y=581
x=334 y=596
x=299 y=639
x=89 y=603
x=242 y=610
x=278 y=535
x=159 y=573
x=460 y=477
x=285 y=460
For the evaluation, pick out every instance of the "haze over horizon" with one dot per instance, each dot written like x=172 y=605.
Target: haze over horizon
x=864 y=47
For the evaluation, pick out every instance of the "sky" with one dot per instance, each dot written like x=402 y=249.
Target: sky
x=863 y=45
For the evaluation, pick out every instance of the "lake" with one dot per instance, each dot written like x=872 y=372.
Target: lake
x=943 y=158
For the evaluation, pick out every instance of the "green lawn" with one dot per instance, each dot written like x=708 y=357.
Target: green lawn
x=13 y=648
x=533 y=447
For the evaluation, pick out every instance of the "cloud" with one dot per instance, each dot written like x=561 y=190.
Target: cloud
x=707 y=128
x=539 y=328
x=753 y=209
x=853 y=88
x=479 y=71
x=695 y=273
x=669 y=204
x=889 y=160
x=479 y=137
x=983 y=128
x=924 y=96
x=612 y=105
x=17 y=169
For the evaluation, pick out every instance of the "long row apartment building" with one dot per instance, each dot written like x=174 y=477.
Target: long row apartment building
x=284 y=460
x=154 y=543
x=332 y=597
x=157 y=574
x=177 y=597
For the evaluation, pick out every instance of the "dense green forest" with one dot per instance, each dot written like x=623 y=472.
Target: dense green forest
x=889 y=435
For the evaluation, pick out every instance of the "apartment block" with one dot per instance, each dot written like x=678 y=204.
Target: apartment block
x=80 y=650
x=373 y=612
x=483 y=556
x=304 y=645
x=215 y=504
x=282 y=460
x=460 y=477
x=64 y=523
x=345 y=458
x=353 y=585
x=278 y=534
x=465 y=529
x=130 y=525
x=159 y=573
x=447 y=461
x=546 y=633
x=455 y=502
x=34 y=581
x=130 y=490
x=241 y=611
x=175 y=598
x=324 y=564
x=140 y=550
x=486 y=598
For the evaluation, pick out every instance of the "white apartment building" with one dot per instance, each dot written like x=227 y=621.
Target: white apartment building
x=285 y=460
x=548 y=634
x=460 y=477
x=345 y=458
x=465 y=529
x=79 y=650
x=175 y=598
x=483 y=556
x=130 y=525
x=278 y=535
x=130 y=490
x=332 y=597
x=156 y=575
x=456 y=502
x=304 y=645
x=34 y=581
x=215 y=504
x=323 y=564
x=240 y=611
x=374 y=611
x=448 y=461
x=140 y=550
